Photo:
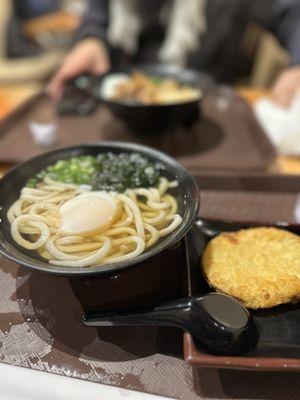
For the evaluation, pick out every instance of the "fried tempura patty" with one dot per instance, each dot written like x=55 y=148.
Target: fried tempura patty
x=258 y=266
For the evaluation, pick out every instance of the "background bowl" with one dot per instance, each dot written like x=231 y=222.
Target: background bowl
x=152 y=118
x=187 y=195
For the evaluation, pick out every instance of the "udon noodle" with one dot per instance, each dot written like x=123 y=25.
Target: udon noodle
x=146 y=215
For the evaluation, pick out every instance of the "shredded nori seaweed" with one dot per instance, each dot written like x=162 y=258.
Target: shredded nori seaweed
x=107 y=171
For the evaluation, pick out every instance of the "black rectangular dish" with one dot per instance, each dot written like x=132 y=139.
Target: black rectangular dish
x=279 y=327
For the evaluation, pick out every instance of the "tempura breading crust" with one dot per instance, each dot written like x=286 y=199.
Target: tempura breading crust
x=258 y=266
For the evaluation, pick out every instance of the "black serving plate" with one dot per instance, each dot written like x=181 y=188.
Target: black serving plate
x=278 y=345
x=187 y=195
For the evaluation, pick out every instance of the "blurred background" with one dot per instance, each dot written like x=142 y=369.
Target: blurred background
x=36 y=35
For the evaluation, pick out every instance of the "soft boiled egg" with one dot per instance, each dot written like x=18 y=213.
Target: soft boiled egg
x=89 y=213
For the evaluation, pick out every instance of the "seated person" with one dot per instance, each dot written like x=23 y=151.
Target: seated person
x=17 y=44
x=202 y=34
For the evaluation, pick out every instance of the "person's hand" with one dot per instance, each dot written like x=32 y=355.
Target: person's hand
x=88 y=56
x=286 y=86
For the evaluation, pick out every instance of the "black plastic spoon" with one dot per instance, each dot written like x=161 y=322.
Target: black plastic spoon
x=218 y=321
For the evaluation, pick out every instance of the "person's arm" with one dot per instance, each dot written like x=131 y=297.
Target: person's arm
x=89 y=55
x=95 y=21
x=288 y=33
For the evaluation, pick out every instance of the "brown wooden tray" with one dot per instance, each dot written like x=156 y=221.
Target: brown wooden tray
x=261 y=197
x=222 y=140
x=16 y=143
x=193 y=356
x=255 y=206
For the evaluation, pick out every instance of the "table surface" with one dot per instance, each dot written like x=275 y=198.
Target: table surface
x=12 y=97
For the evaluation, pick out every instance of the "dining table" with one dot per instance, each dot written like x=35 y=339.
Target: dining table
x=12 y=97
x=140 y=364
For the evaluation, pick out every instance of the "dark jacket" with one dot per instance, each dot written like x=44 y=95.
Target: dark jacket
x=220 y=51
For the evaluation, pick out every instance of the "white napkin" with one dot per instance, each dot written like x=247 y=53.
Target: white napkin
x=18 y=383
x=282 y=125
x=43 y=134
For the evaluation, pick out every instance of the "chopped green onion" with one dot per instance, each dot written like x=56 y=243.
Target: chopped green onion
x=107 y=171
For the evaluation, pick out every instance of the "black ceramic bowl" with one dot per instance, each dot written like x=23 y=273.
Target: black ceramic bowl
x=187 y=195
x=152 y=117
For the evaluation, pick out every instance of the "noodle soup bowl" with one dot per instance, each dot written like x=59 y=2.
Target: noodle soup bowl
x=149 y=118
x=186 y=194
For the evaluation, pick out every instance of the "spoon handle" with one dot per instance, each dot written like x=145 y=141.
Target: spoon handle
x=164 y=315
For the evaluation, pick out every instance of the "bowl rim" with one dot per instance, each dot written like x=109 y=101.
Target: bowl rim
x=170 y=240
